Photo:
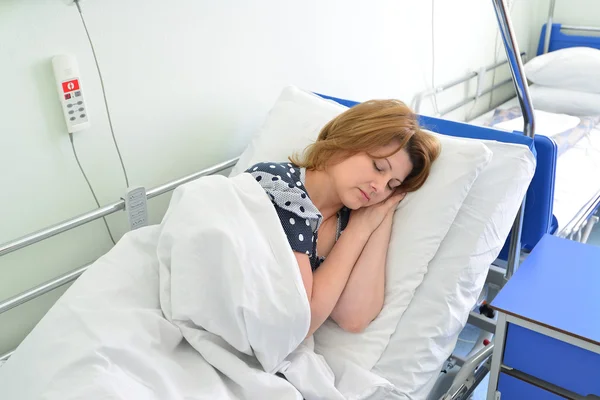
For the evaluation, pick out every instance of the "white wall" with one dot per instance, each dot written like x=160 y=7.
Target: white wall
x=576 y=12
x=187 y=83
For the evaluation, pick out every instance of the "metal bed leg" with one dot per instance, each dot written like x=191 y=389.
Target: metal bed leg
x=469 y=376
x=499 y=339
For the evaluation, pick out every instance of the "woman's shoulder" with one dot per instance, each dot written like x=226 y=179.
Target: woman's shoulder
x=274 y=171
x=274 y=167
x=283 y=183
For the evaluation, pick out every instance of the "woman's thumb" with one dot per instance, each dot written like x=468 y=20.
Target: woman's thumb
x=396 y=198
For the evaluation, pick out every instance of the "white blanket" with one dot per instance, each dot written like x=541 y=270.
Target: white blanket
x=210 y=304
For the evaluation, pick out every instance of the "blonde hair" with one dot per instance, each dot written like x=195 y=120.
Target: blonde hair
x=367 y=127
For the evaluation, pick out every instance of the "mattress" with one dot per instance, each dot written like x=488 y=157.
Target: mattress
x=577 y=171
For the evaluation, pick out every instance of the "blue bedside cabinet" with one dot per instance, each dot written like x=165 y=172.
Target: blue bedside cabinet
x=547 y=341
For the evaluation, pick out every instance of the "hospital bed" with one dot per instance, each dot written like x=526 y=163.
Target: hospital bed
x=576 y=198
x=103 y=286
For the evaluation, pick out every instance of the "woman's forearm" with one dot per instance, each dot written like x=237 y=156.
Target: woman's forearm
x=362 y=298
x=332 y=275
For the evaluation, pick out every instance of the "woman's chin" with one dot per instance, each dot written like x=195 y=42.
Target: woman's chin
x=353 y=205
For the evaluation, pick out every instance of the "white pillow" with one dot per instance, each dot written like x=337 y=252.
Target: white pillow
x=574 y=68
x=293 y=123
x=421 y=222
x=428 y=330
x=564 y=101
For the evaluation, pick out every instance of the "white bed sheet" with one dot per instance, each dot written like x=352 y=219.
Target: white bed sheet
x=577 y=172
x=113 y=313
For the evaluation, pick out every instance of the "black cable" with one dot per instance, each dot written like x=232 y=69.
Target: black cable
x=103 y=94
x=90 y=186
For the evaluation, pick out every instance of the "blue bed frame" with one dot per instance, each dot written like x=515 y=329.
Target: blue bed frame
x=538 y=219
x=560 y=40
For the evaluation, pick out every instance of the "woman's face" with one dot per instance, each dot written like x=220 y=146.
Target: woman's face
x=362 y=180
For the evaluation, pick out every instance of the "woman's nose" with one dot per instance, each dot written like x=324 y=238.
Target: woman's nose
x=378 y=185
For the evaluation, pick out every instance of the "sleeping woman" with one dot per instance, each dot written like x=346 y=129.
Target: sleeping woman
x=336 y=203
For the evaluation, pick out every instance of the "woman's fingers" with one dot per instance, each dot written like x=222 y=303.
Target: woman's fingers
x=394 y=199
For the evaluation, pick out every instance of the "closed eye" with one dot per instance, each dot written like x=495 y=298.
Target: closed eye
x=376 y=167
x=389 y=185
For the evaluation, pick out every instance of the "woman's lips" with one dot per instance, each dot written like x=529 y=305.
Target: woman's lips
x=365 y=195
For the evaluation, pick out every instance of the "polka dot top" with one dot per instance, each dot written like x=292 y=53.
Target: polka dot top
x=300 y=218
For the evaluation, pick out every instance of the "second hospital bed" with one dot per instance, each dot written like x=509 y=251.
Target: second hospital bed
x=576 y=197
x=577 y=186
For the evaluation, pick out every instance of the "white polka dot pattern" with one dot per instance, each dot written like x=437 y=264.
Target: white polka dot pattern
x=292 y=204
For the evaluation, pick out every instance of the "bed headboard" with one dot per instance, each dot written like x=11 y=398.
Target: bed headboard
x=538 y=217
x=560 y=40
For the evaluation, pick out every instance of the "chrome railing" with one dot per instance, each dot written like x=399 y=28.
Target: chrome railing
x=516 y=69
x=81 y=220
x=418 y=100
x=549 y=26
x=112 y=208
x=548 y=33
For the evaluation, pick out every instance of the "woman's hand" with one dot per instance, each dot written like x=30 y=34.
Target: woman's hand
x=369 y=218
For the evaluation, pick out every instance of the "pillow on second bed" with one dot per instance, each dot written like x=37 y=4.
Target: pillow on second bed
x=574 y=68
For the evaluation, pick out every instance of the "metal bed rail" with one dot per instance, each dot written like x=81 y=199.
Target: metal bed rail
x=576 y=28
x=581 y=218
x=469 y=99
x=39 y=290
x=81 y=220
x=580 y=28
x=75 y=222
x=548 y=26
x=518 y=75
x=471 y=374
x=418 y=100
x=112 y=208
